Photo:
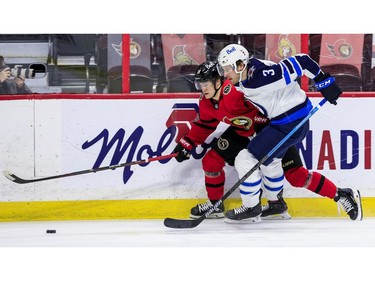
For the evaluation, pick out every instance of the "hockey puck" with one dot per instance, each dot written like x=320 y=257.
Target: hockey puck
x=51 y=231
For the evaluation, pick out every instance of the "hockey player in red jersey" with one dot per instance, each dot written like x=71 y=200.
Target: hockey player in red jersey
x=221 y=102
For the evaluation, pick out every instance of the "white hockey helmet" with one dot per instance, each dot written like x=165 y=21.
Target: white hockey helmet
x=230 y=55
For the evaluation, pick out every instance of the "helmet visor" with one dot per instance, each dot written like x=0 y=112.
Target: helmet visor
x=224 y=69
x=199 y=84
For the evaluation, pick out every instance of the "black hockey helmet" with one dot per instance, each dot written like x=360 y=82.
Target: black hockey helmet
x=207 y=71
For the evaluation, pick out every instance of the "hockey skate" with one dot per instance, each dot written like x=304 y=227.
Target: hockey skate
x=276 y=210
x=350 y=200
x=244 y=214
x=200 y=209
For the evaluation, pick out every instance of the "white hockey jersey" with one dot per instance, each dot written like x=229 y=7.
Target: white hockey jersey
x=273 y=87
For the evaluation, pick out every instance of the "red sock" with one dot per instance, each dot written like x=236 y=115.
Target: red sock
x=317 y=183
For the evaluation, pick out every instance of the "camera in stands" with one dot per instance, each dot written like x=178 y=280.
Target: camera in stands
x=34 y=70
x=18 y=71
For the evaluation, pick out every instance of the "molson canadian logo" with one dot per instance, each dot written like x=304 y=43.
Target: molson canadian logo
x=317 y=150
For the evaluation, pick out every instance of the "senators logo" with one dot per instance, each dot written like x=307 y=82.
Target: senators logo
x=227 y=89
x=222 y=144
x=181 y=57
x=341 y=49
x=135 y=49
x=285 y=48
x=242 y=121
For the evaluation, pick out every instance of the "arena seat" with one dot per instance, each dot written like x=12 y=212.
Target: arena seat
x=182 y=55
x=260 y=46
x=341 y=55
x=315 y=41
x=180 y=78
x=140 y=79
x=347 y=76
x=216 y=42
x=115 y=80
x=367 y=81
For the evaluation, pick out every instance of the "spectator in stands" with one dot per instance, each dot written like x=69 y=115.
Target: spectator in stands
x=9 y=84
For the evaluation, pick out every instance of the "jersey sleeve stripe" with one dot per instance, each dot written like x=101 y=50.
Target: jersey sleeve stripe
x=296 y=66
x=289 y=66
x=286 y=74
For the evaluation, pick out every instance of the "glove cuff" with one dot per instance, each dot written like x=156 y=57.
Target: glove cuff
x=325 y=83
x=187 y=143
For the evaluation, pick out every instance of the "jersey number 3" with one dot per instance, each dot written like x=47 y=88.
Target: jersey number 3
x=269 y=72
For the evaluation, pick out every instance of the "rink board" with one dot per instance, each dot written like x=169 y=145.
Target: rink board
x=155 y=209
x=50 y=136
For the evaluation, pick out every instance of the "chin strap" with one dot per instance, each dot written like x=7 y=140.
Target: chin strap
x=217 y=90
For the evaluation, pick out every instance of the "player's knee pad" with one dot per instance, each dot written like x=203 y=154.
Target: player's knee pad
x=297 y=176
x=274 y=169
x=244 y=162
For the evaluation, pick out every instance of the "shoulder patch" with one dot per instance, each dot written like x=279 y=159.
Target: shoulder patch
x=227 y=89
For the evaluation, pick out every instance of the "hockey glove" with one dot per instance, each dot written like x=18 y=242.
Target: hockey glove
x=327 y=86
x=183 y=149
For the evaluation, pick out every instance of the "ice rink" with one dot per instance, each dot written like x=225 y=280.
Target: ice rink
x=214 y=250
x=210 y=233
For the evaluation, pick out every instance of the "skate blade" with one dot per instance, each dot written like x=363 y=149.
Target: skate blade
x=282 y=216
x=212 y=216
x=358 y=200
x=244 y=221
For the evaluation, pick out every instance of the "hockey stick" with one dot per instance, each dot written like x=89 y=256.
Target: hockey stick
x=19 y=180
x=177 y=223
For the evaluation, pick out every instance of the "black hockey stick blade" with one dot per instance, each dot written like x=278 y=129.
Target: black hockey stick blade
x=180 y=223
x=176 y=223
x=12 y=177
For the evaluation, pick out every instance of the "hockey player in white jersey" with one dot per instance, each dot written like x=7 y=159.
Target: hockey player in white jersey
x=274 y=90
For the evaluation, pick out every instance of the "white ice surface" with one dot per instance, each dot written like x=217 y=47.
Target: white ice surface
x=210 y=233
x=298 y=249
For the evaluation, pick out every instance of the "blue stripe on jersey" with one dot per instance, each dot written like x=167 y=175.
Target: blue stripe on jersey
x=296 y=66
x=301 y=113
x=289 y=66
x=286 y=74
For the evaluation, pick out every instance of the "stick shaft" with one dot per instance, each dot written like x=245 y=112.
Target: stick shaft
x=17 y=179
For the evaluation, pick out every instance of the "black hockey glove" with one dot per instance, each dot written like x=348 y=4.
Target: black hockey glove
x=327 y=86
x=183 y=149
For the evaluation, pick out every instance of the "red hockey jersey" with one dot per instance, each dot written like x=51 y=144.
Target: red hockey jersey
x=232 y=109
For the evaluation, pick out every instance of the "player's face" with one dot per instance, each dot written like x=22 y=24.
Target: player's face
x=230 y=74
x=207 y=89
